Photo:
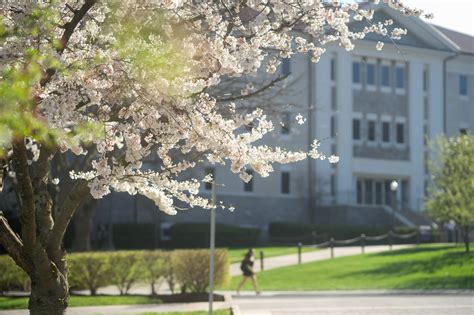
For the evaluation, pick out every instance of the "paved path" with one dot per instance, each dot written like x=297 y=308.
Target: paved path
x=288 y=260
x=133 y=309
x=357 y=304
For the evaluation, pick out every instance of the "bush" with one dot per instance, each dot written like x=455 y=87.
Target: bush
x=153 y=266
x=192 y=269
x=188 y=268
x=12 y=277
x=133 y=236
x=196 y=235
x=89 y=271
x=126 y=269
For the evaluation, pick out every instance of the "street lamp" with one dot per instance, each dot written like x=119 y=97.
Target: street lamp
x=393 y=188
x=212 y=248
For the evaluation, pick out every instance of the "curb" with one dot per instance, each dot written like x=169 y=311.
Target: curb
x=234 y=309
x=356 y=293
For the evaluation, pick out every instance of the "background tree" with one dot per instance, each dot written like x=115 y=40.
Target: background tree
x=452 y=194
x=134 y=80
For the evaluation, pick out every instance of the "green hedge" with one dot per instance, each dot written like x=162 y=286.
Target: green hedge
x=90 y=271
x=196 y=235
x=134 y=236
x=291 y=232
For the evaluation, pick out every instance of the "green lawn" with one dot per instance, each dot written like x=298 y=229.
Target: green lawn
x=424 y=267
x=237 y=254
x=7 y=303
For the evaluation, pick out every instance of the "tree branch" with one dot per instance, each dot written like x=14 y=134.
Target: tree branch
x=69 y=28
x=12 y=244
x=67 y=209
x=263 y=88
x=25 y=190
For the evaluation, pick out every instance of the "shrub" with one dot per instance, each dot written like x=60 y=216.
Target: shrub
x=133 y=236
x=89 y=271
x=192 y=269
x=154 y=268
x=196 y=235
x=12 y=277
x=168 y=270
x=126 y=269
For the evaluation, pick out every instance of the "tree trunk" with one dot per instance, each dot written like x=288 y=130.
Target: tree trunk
x=465 y=234
x=49 y=294
x=82 y=227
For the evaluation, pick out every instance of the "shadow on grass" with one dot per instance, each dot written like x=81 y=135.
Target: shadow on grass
x=415 y=250
x=423 y=269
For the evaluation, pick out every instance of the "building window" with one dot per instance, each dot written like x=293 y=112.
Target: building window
x=209 y=171
x=378 y=193
x=368 y=186
x=249 y=186
x=400 y=133
x=371 y=130
x=359 y=191
x=285 y=124
x=425 y=80
x=370 y=74
x=333 y=185
x=285 y=182
x=463 y=85
x=333 y=126
x=356 y=129
x=385 y=131
x=356 y=72
x=285 y=66
x=400 y=78
x=333 y=69
x=385 y=76
x=388 y=193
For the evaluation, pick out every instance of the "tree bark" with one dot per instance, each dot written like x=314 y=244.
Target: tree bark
x=49 y=293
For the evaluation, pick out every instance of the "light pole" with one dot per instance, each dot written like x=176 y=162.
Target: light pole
x=212 y=248
x=393 y=188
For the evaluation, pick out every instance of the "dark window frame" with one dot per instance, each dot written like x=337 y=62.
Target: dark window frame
x=285 y=182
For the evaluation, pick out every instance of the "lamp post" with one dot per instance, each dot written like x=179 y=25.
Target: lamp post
x=393 y=188
x=212 y=248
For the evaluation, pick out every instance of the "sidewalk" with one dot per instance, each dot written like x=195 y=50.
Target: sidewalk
x=134 y=309
x=289 y=260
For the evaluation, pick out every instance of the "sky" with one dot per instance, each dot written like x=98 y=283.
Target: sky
x=457 y=15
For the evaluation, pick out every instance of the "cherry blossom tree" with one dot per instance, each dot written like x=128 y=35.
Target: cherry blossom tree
x=119 y=82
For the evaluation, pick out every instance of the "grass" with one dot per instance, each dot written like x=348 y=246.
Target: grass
x=9 y=303
x=237 y=254
x=423 y=267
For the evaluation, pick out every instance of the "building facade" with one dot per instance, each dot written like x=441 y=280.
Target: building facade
x=377 y=110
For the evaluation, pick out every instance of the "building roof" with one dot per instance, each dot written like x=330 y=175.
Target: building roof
x=463 y=41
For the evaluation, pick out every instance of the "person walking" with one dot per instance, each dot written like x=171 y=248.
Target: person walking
x=247 y=269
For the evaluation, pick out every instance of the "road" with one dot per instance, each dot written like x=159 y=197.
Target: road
x=357 y=304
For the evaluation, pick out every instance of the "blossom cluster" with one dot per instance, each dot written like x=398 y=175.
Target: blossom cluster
x=139 y=73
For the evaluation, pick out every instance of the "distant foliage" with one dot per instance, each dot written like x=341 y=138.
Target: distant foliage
x=452 y=194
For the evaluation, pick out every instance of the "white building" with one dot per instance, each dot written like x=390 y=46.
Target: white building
x=377 y=110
